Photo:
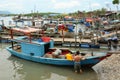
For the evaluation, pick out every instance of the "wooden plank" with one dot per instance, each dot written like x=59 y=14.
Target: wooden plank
x=71 y=40
x=113 y=52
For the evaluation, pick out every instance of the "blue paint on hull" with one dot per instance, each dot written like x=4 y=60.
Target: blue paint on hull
x=53 y=61
x=4 y=41
x=87 y=45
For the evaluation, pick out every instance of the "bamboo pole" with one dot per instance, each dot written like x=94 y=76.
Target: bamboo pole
x=11 y=34
x=63 y=35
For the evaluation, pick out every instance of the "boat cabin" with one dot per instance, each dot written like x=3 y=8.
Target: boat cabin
x=30 y=45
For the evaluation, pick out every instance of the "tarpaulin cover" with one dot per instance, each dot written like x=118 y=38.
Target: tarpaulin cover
x=25 y=30
x=87 y=24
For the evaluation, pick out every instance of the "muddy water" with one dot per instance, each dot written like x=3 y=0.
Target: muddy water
x=13 y=68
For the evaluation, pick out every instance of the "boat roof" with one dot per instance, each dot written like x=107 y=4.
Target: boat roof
x=26 y=30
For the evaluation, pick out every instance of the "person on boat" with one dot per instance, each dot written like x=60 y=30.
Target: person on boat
x=114 y=42
x=109 y=44
x=77 y=59
x=56 y=53
x=69 y=56
x=80 y=30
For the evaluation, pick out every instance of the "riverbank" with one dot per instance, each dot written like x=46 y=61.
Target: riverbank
x=108 y=69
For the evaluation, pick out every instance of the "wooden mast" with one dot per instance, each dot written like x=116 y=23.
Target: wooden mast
x=11 y=34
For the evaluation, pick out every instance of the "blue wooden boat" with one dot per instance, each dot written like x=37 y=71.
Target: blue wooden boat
x=4 y=40
x=81 y=45
x=34 y=50
x=89 y=45
x=84 y=45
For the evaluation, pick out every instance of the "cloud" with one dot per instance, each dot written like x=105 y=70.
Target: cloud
x=15 y=4
x=64 y=5
x=53 y=1
x=95 y=5
x=11 y=6
x=18 y=6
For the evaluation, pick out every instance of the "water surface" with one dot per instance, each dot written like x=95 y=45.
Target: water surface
x=14 y=68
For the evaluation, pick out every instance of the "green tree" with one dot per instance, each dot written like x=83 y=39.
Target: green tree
x=116 y=2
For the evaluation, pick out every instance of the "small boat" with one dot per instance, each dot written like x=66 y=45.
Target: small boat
x=89 y=45
x=4 y=40
x=35 y=50
x=81 y=45
x=3 y=33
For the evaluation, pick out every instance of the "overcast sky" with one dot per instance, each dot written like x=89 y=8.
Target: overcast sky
x=61 y=6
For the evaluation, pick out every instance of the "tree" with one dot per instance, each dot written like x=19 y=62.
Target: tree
x=116 y=2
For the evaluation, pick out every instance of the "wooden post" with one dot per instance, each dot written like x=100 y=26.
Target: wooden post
x=63 y=35
x=12 y=44
x=11 y=34
x=30 y=37
x=76 y=37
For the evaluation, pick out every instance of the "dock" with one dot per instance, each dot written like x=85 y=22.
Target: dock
x=77 y=41
x=72 y=42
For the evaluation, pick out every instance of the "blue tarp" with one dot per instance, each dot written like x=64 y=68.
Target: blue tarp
x=82 y=20
x=87 y=24
x=68 y=19
x=70 y=28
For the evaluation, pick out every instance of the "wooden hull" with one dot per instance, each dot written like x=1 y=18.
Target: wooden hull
x=56 y=61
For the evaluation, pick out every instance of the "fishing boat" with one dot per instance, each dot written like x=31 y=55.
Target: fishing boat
x=81 y=45
x=29 y=48
x=3 y=33
x=89 y=45
x=4 y=40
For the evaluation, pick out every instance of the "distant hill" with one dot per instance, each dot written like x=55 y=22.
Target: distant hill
x=5 y=12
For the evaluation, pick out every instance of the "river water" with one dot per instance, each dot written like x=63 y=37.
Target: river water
x=13 y=68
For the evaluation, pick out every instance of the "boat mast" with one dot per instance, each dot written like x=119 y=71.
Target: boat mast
x=11 y=34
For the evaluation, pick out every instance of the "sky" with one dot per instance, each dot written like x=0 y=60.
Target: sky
x=60 y=6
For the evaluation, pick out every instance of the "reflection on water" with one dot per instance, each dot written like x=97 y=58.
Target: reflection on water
x=26 y=70
x=13 y=68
